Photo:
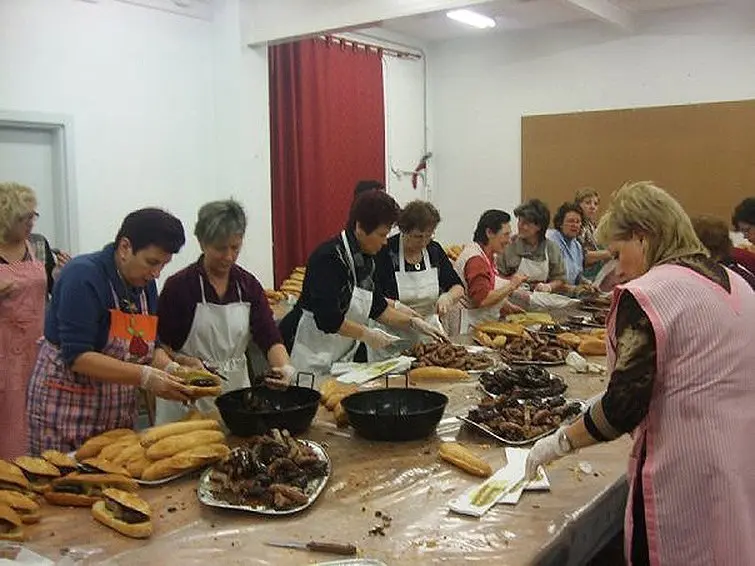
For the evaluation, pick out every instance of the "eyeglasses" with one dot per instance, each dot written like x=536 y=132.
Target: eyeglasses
x=573 y=222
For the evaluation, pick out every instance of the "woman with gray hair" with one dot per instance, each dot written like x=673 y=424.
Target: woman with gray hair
x=209 y=311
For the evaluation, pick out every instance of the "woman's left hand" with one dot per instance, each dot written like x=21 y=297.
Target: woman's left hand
x=61 y=258
x=444 y=304
x=284 y=376
x=424 y=327
x=543 y=288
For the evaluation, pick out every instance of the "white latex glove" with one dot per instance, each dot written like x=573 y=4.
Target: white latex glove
x=543 y=288
x=444 y=304
x=164 y=385
x=173 y=368
x=405 y=309
x=285 y=376
x=377 y=339
x=510 y=308
x=424 y=327
x=518 y=279
x=545 y=451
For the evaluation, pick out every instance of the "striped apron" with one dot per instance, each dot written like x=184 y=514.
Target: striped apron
x=697 y=481
x=22 y=314
x=66 y=408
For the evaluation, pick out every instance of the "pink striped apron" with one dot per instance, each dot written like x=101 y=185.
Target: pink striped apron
x=698 y=479
x=66 y=408
x=22 y=318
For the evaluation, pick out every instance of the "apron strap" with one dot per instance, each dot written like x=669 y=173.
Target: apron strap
x=349 y=257
x=201 y=288
x=238 y=290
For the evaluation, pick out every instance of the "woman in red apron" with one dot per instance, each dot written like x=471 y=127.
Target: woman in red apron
x=680 y=357
x=23 y=288
x=100 y=336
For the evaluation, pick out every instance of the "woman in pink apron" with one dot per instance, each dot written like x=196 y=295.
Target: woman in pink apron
x=100 y=338
x=23 y=289
x=486 y=292
x=681 y=361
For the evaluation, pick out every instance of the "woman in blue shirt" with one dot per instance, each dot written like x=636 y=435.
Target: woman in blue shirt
x=568 y=223
x=100 y=341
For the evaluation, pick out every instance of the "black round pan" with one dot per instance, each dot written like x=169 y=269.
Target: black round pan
x=292 y=409
x=395 y=413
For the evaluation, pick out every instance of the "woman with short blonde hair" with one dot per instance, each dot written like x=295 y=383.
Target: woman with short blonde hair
x=680 y=358
x=23 y=288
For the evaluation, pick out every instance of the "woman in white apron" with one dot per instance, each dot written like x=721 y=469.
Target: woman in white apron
x=680 y=358
x=209 y=311
x=486 y=292
x=414 y=271
x=339 y=296
x=532 y=255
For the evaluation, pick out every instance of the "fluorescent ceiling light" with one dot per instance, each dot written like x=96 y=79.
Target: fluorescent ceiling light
x=471 y=18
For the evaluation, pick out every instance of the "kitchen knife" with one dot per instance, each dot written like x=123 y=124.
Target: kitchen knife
x=213 y=370
x=315 y=546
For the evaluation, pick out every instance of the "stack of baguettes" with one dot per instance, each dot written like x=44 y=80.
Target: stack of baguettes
x=293 y=285
x=157 y=453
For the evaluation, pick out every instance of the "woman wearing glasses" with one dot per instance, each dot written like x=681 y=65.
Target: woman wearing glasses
x=414 y=272
x=568 y=223
x=23 y=288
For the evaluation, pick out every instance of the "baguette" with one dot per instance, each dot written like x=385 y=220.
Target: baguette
x=172 y=445
x=335 y=399
x=111 y=451
x=570 y=339
x=342 y=418
x=461 y=457
x=124 y=512
x=186 y=460
x=101 y=466
x=94 y=445
x=592 y=347
x=137 y=465
x=172 y=429
x=129 y=453
x=435 y=372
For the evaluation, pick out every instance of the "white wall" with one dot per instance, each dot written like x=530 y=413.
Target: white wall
x=167 y=110
x=481 y=89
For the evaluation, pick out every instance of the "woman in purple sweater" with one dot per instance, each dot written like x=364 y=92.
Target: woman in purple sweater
x=210 y=310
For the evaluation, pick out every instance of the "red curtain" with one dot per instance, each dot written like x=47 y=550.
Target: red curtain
x=327 y=130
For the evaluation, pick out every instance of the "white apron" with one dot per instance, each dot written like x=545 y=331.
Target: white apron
x=536 y=271
x=470 y=316
x=219 y=336
x=417 y=289
x=316 y=351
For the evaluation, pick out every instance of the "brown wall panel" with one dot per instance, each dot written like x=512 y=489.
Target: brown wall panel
x=704 y=154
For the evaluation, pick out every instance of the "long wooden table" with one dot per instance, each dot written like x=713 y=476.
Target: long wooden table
x=404 y=480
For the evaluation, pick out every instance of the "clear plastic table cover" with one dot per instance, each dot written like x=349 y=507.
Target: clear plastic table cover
x=405 y=481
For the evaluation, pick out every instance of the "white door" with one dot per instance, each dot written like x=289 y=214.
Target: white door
x=27 y=157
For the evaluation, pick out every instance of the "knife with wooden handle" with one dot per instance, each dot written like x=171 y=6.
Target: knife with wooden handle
x=317 y=546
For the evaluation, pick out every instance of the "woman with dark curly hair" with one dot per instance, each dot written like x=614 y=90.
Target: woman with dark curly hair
x=568 y=223
x=531 y=254
x=339 y=295
x=743 y=219
x=714 y=234
x=414 y=271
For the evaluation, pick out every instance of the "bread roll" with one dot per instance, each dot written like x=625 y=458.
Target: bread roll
x=433 y=372
x=592 y=347
x=137 y=465
x=570 y=339
x=186 y=460
x=342 y=418
x=110 y=451
x=128 y=454
x=171 y=429
x=94 y=445
x=172 y=445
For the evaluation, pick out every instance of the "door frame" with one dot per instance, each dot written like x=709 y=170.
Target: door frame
x=65 y=198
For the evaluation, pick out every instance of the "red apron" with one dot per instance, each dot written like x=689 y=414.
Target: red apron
x=698 y=487
x=66 y=408
x=22 y=317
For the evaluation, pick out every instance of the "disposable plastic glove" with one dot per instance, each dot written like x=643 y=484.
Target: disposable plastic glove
x=444 y=304
x=377 y=339
x=405 y=309
x=543 y=288
x=424 y=327
x=545 y=451
x=285 y=376
x=164 y=385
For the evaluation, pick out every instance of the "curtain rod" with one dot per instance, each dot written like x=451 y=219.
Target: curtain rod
x=361 y=45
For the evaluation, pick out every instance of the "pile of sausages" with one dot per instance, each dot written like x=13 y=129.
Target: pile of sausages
x=447 y=356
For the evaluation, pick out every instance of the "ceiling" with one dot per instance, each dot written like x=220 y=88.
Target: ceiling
x=522 y=15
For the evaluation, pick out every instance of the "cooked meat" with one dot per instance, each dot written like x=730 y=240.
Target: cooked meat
x=125 y=514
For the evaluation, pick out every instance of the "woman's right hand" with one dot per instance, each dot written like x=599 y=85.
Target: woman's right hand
x=376 y=338
x=164 y=384
x=518 y=279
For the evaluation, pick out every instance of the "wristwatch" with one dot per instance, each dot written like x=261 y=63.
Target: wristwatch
x=564 y=444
